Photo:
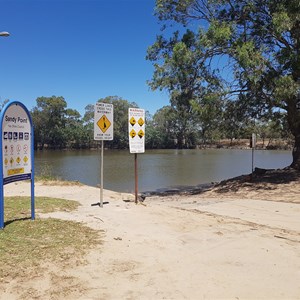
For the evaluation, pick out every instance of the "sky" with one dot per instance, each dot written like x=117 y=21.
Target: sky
x=82 y=50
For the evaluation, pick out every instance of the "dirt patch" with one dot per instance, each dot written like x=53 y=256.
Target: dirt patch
x=275 y=185
x=224 y=242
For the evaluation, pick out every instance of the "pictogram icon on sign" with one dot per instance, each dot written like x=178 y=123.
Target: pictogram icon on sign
x=6 y=161
x=11 y=161
x=103 y=123
x=18 y=159
x=141 y=133
x=25 y=159
x=132 y=121
x=25 y=148
x=141 y=121
x=132 y=133
x=15 y=134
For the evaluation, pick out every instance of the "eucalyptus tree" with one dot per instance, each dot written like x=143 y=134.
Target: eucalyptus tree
x=49 y=121
x=207 y=112
x=235 y=120
x=165 y=126
x=179 y=70
x=252 y=46
x=88 y=125
x=74 y=132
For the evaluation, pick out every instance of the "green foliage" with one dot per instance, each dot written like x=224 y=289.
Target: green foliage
x=49 y=121
x=199 y=121
x=162 y=130
x=259 y=44
x=284 y=87
x=207 y=114
x=177 y=69
x=58 y=126
x=88 y=127
x=281 y=22
x=234 y=120
x=73 y=131
x=218 y=33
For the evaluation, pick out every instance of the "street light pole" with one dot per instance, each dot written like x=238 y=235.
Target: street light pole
x=4 y=33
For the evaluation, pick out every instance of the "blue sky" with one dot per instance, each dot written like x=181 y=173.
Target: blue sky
x=82 y=50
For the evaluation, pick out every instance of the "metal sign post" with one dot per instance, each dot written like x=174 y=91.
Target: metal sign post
x=253 y=148
x=136 y=129
x=101 y=175
x=103 y=131
x=136 y=184
x=16 y=150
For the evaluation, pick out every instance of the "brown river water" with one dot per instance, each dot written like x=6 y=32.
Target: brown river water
x=157 y=169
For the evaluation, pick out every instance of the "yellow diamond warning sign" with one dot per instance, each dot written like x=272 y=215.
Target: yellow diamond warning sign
x=141 y=133
x=18 y=159
x=132 y=121
x=132 y=133
x=25 y=159
x=103 y=123
x=141 y=121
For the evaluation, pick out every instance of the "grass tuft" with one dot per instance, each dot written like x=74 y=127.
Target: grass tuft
x=26 y=245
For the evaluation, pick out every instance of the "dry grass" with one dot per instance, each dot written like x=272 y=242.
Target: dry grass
x=58 y=182
x=26 y=245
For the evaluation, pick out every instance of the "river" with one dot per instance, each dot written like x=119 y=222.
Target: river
x=157 y=169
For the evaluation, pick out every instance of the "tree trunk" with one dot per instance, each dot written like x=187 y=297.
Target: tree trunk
x=180 y=140
x=294 y=124
x=296 y=153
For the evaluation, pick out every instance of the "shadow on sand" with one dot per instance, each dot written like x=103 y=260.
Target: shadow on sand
x=261 y=179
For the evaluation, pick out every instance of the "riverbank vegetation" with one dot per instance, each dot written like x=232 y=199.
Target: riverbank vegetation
x=237 y=59
x=56 y=126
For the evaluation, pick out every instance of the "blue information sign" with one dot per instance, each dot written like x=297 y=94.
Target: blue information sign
x=16 y=150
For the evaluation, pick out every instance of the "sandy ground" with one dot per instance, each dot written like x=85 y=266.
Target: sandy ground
x=239 y=244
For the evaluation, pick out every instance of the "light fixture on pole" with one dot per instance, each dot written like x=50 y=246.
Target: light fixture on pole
x=4 y=33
